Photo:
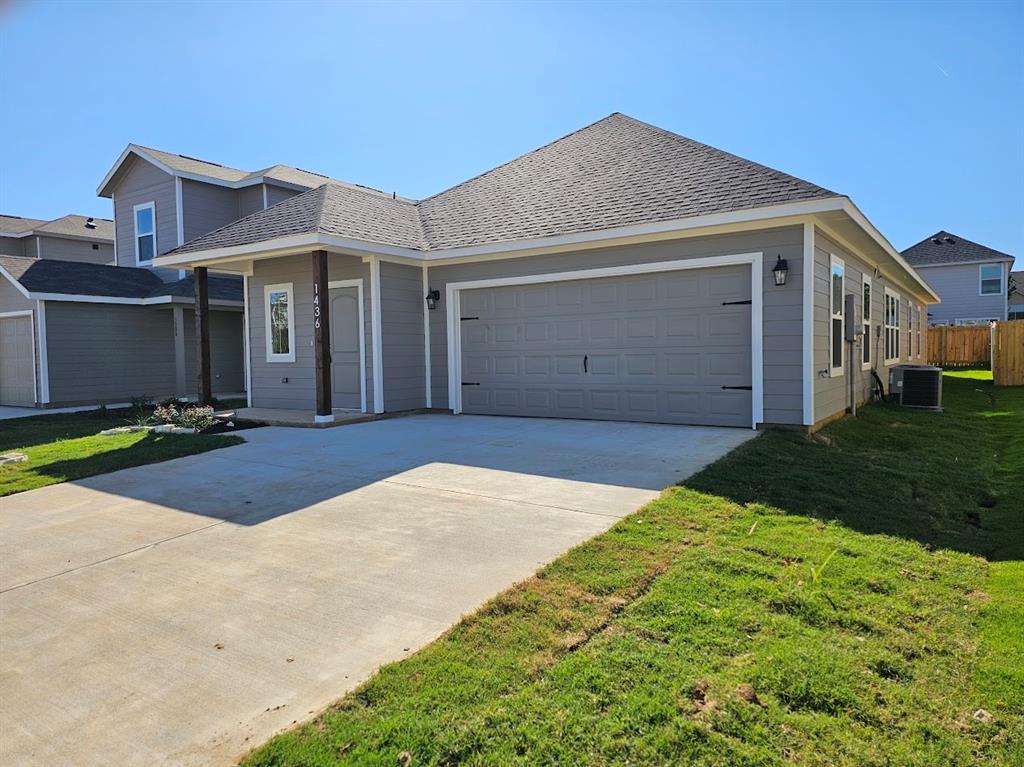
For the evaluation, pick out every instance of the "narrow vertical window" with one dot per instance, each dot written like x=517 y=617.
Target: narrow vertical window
x=866 y=298
x=145 y=233
x=837 y=278
x=280 y=323
x=892 y=326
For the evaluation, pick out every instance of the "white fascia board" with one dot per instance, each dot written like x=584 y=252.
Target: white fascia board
x=967 y=263
x=862 y=221
x=18 y=286
x=85 y=299
x=17 y=235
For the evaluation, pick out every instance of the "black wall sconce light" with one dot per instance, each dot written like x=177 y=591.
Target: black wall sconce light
x=433 y=296
x=780 y=271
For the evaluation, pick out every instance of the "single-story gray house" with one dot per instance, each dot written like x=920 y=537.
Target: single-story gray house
x=971 y=279
x=622 y=272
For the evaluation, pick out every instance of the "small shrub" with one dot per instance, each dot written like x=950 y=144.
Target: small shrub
x=166 y=413
x=139 y=419
x=196 y=417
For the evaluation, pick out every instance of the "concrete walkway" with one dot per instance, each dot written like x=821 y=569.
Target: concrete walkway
x=181 y=613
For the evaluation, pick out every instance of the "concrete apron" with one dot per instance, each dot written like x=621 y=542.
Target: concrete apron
x=181 y=613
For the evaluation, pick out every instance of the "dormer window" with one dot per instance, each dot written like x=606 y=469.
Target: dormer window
x=145 y=233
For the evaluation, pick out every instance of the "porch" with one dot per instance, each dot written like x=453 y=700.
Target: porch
x=271 y=416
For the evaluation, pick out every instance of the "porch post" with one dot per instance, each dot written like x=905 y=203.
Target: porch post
x=202 y=312
x=322 y=337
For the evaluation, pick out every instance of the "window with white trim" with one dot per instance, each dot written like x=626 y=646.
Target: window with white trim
x=865 y=312
x=837 y=276
x=990 y=279
x=145 y=232
x=279 y=311
x=892 y=326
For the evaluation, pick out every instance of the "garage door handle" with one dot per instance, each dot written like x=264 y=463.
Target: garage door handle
x=585 y=358
x=747 y=388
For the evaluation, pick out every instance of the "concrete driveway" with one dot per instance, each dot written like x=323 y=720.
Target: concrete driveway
x=181 y=613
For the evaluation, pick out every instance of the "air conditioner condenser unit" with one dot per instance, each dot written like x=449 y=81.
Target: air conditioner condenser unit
x=917 y=386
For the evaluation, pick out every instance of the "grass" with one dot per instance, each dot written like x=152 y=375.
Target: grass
x=67 y=446
x=848 y=598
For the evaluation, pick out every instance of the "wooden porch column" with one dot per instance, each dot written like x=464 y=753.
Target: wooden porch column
x=204 y=389
x=322 y=337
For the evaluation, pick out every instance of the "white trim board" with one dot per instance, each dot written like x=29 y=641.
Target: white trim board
x=245 y=340
x=755 y=260
x=375 y=336
x=44 y=358
x=427 y=383
x=358 y=284
x=808 y=325
x=36 y=393
x=179 y=212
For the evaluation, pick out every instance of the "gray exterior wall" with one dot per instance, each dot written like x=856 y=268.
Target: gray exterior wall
x=276 y=194
x=226 y=356
x=108 y=352
x=65 y=249
x=11 y=300
x=402 y=301
x=142 y=183
x=783 y=326
x=16 y=246
x=205 y=207
x=958 y=287
x=250 y=200
x=832 y=394
x=268 y=388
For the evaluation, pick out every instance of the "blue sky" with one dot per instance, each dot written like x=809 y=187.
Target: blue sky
x=915 y=110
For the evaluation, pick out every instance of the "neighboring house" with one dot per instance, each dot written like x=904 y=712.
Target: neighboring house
x=1016 y=299
x=971 y=279
x=622 y=272
x=69 y=238
x=76 y=335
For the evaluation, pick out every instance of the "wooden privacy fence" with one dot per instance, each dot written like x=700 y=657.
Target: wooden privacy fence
x=960 y=346
x=1000 y=347
x=1008 y=353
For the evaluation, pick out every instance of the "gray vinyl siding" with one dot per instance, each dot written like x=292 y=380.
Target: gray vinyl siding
x=958 y=287
x=226 y=356
x=268 y=388
x=65 y=249
x=11 y=300
x=832 y=394
x=17 y=246
x=205 y=207
x=108 y=352
x=276 y=194
x=782 y=306
x=143 y=183
x=250 y=200
x=402 y=301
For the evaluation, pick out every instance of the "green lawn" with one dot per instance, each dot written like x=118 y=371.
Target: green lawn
x=67 y=446
x=851 y=598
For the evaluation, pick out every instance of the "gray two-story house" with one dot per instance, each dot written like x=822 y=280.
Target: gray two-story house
x=68 y=238
x=971 y=279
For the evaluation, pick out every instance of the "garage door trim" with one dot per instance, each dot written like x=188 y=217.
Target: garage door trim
x=754 y=260
x=35 y=349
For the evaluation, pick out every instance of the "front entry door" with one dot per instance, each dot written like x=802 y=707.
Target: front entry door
x=346 y=369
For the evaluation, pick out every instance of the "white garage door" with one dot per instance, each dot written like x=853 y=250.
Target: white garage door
x=669 y=347
x=17 y=363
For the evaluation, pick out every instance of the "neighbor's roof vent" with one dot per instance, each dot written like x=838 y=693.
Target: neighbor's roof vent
x=949 y=239
x=936 y=240
x=90 y=223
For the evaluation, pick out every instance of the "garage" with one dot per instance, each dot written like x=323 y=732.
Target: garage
x=17 y=361
x=665 y=346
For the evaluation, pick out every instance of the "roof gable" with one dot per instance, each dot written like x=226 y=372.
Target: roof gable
x=613 y=173
x=945 y=248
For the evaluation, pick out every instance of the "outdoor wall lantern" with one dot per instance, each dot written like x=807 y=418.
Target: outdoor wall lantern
x=433 y=296
x=780 y=271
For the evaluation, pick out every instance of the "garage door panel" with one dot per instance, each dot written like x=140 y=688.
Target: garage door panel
x=659 y=348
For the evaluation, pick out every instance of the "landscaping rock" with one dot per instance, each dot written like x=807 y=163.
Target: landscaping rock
x=183 y=430
x=116 y=430
x=12 y=458
x=164 y=428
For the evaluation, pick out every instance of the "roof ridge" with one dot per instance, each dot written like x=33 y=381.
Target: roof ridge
x=721 y=152
x=518 y=157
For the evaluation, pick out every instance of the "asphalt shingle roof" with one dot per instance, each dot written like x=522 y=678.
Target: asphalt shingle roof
x=616 y=172
x=70 y=225
x=945 y=248
x=48 y=275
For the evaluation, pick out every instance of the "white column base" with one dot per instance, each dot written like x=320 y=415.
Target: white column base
x=323 y=418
